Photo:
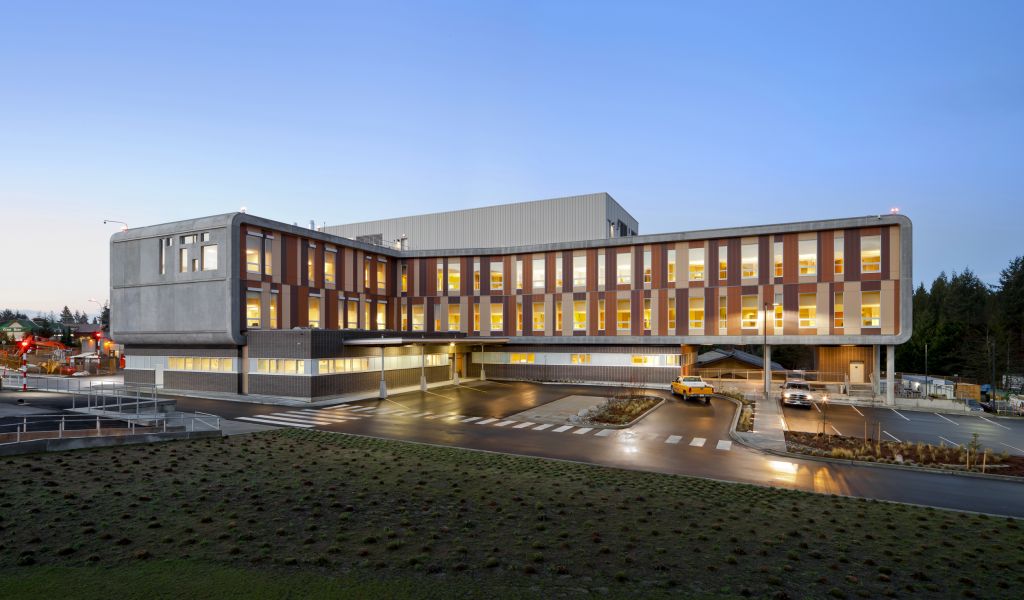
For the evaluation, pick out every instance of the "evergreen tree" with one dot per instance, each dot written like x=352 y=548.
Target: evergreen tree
x=66 y=316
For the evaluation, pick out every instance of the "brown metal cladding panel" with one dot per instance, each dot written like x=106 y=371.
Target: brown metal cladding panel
x=791 y=309
x=329 y=309
x=826 y=250
x=749 y=289
x=733 y=310
x=636 y=312
x=592 y=314
x=528 y=275
x=289 y=249
x=427 y=267
x=637 y=277
x=871 y=286
x=549 y=272
x=831 y=309
x=885 y=252
x=510 y=269
x=682 y=311
x=836 y=359
x=790 y=258
x=851 y=255
x=735 y=257
x=295 y=316
x=567 y=271
x=765 y=268
x=527 y=316
x=658 y=261
x=711 y=265
x=663 y=312
x=485 y=275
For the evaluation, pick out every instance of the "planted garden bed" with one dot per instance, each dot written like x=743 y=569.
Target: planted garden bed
x=622 y=411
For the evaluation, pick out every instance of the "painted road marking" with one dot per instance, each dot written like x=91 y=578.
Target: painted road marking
x=504 y=423
x=946 y=419
x=522 y=425
x=542 y=427
x=891 y=435
x=950 y=442
x=423 y=414
x=270 y=421
x=724 y=445
x=456 y=417
x=1014 y=447
x=362 y=408
x=438 y=395
x=486 y=421
x=327 y=415
x=386 y=411
x=604 y=432
x=673 y=439
x=308 y=419
x=470 y=419
x=855 y=408
x=698 y=442
x=582 y=430
x=834 y=429
x=816 y=406
x=562 y=428
x=899 y=413
x=341 y=407
x=994 y=423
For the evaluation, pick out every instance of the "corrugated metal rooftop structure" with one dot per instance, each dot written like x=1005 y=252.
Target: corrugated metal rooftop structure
x=568 y=219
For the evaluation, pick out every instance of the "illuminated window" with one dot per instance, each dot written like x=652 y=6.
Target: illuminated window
x=252 y=309
x=314 y=311
x=808 y=251
x=748 y=260
x=382 y=315
x=871 y=254
x=808 y=310
x=671 y=266
x=647 y=314
x=579 y=359
x=268 y=256
x=837 y=251
x=748 y=312
x=310 y=267
x=640 y=360
x=870 y=309
x=579 y=271
x=476 y=316
x=723 y=315
x=183 y=260
x=777 y=258
x=280 y=366
x=440 y=275
x=366 y=315
x=696 y=267
x=601 y=272
x=454 y=275
x=778 y=313
x=405 y=278
x=696 y=313
x=538 y=274
x=405 y=316
x=196 y=363
x=382 y=278
x=558 y=272
x=209 y=254
x=519 y=274
x=188 y=239
x=624 y=268
x=622 y=315
x=497 y=276
x=579 y=315
x=453 y=317
x=671 y=316
x=838 y=311
x=330 y=263
x=417 y=317
x=519 y=315
x=648 y=275
x=352 y=316
x=366 y=273
x=273 y=310
x=538 y=316
x=476 y=275
x=521 y=358
x=600 y=314
x=497 y=317
x=558 y=316
x=723 y=263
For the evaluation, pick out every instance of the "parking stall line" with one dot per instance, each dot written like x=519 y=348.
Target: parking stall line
x=950 y=442
x=835 y=430
x=946 y=419
x=1013 y=447
x=269 y=421
x=470 y=419
x=583 y=430
x=423 y=414
x=561 y=429
x=486 y=421
x=362 y=409
x=892 y=436
x=542 y=427
x=605 y=432
x=523 y=425
x=900 y=414
x=673 y=439
x=504 y=423
x=994 y=423
x=816 y=406
x=438 y=395
x=340 y=407
x=855 y=408
x=698 y=442
x=724 y=445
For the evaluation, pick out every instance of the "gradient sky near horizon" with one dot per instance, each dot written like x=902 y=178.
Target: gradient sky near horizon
x=691 y=114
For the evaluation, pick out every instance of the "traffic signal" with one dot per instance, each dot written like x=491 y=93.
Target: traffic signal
x=98 y=335
x=24 y=344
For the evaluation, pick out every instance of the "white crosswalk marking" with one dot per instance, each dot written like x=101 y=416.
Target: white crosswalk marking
x=340 y=407
x=423 y=414
x=582 y=430
x=272 y=421
x=362 y=408
x=300 y=418
x=724 y=445
x=486 y=421
x=562 y=428
x=470 y=419
x=504 y=423
x=455 y=417
x=542 y=427
x=699 y=442
x=522 y=425
x=604 y=432
x=673 y=439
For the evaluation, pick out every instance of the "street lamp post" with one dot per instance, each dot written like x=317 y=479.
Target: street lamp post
x=124 y=226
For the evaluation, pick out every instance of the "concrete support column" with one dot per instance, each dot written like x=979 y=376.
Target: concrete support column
x=483 y=374
x=383 y=384
x=423 y=366
x=767 y=371
x=876 y=378
x=890 y=375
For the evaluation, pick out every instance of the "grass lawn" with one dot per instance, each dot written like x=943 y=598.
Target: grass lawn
x=310 y=514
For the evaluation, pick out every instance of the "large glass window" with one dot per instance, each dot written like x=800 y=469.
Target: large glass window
x=538 y=316
x=558 y=272
x=696 y=264
x=600 y=314
x=579 y=315
x=519 y=315
x=352 y=314
x=330 y=266
x=382 y=315
x=281 y=366
x=579 y=271
x=405 y=278
x=417 y=317
x=748 y=260
x=440 y=275
x=671 y=316
x=837 y=255
x=273 y=310
x=579 y=359
x=453 y=317
x=454 y=275
x=808 y=310
x=624 y=268
x=871 y=254
x=777 y=258
x=165 y=243
x=671 y=267
x=837 y=313
x=748 y=312
x=647 y=314
x=723 y=262
x=497 y=276
x=252 y=309
x=696 y=314
x=622 y=315
x=210 y=257
x=366 y=315
x=314 y=311
x=601 y=272
x=476 y=275
x=497 y=317
x=310 y=266
x=648 y=274
x=808 y=251
x=183 y=260
x=366 y=273
x=870 y=309
x=521 y=358
x=382 y=277
x=778 y=313
x=558 y=316
x=538 y=275
x=519 y=274
x=723 y=314
x=476 y=316
x=268 y=256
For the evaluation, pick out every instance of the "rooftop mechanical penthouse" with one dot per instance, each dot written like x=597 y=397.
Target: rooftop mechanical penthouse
x=568 y=291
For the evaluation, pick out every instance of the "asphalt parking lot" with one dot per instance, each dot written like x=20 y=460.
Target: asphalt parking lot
x=998 y=433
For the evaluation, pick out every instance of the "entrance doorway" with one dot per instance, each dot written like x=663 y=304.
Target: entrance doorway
x=857 y=371
x=460 y=364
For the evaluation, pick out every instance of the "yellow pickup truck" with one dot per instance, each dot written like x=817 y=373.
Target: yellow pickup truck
x=692 y=386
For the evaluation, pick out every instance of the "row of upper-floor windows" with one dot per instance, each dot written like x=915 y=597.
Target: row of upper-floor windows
x=751 y=313
x=348 y=309
x=449 y=271
x=194 y=253
x=259 y=254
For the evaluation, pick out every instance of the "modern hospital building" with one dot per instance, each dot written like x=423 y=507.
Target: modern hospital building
x=552 y=290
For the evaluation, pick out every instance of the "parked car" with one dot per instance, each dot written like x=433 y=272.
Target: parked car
x=692 y=386
x=973 y=405
x=797 y=393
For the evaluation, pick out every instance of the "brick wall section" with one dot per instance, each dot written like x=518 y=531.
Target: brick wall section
x=204 y=382
x=145 y=376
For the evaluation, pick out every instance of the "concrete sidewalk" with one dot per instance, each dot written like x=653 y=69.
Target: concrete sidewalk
x=769 y=427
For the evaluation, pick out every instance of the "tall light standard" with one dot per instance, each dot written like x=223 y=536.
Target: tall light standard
x=124 y=226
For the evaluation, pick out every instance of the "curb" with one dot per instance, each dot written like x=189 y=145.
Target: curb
x=631 y=423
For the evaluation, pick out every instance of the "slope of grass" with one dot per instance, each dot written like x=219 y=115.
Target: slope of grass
x=311 y=514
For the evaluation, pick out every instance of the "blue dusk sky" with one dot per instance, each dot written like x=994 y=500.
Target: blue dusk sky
x=691 y=114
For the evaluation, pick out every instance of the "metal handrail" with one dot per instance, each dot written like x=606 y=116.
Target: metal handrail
x=162 y=422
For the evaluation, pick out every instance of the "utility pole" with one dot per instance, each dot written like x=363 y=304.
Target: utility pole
x=926 y=370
